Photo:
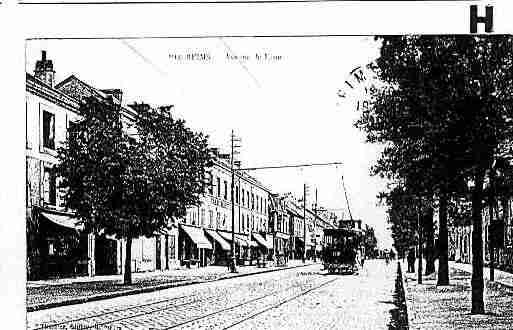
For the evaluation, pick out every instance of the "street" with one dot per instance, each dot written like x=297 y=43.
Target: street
x=301 y=298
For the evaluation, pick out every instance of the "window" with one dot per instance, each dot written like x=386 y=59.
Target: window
x=210 y=184
x=243 y=197
x=202 y=217
x=225 y=190
x=237 y=194
x=252 y=201
x=27 y=140
x=218 y=187
x=257 y=203
x=49 y=186
x=48 y=130
x=247 y=199
x=218 y=220
x=211 y=218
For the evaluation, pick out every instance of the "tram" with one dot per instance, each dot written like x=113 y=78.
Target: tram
x=343 y=251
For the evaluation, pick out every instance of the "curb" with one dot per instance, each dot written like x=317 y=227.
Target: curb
x=405 y=292
x=104 y=296
x=401 y=304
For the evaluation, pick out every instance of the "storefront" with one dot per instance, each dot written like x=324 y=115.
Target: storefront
x=299 y=247
x=106 y=255
x=194 y=246
x=63 y=246
x=243 y=247
x=265 y=245
x=281 y=244
x=221 y=248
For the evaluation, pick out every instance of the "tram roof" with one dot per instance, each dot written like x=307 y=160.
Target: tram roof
x=342 y=231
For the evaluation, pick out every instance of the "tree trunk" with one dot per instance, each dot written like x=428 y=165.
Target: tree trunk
x=127 y=280
x=430 y=240
x=420 y=241
x=477 y=244
x=443 y=242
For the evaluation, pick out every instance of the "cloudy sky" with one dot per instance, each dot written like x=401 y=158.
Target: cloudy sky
x=284 y=106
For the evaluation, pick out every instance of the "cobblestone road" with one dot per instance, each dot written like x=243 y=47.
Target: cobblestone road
x=296 y=298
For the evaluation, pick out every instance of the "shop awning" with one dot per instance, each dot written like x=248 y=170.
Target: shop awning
x=224 y=244
x=197 y=236
x=282 y=235
x=262 y=241
x=238 y=238
x=63 y=220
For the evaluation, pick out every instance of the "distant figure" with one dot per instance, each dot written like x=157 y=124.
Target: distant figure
x=411 y=261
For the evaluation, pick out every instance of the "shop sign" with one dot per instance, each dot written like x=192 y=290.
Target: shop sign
x=219 y=202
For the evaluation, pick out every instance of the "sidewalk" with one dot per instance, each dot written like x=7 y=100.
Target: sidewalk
x=54 y=293
x=501 y=277
x=448 y=307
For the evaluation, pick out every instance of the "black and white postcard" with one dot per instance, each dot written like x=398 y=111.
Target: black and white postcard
x=274 y=165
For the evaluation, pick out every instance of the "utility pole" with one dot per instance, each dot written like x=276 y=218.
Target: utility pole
x=233 y=266
x=304 y=222
x=315 y=228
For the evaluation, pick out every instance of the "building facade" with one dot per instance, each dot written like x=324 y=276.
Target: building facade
x=279 y=223
x=460 y=238
x=214 y=219
x=57 y=246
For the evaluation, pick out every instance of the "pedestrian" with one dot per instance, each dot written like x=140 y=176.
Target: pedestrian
x=411 y=261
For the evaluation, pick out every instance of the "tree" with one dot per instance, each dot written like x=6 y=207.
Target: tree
x=370 y=241
x=447 y=105
x=131 y=185
x=402 y=217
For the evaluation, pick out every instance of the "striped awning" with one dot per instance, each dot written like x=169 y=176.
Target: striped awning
x=197 y=236
x=239 y=239
x=216 y=237
x=63 y=220
x=262 y=241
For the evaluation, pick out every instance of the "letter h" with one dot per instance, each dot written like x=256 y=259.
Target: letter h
x=487 y=19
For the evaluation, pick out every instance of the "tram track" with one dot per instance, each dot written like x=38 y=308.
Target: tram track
x=178 y=309
x=178 y=306
x=120 y=310
x=248 y=302
x=304 y=293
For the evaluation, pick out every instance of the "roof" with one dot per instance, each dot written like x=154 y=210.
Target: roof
x=41 y=89
x=80 y=90
x=244 y=176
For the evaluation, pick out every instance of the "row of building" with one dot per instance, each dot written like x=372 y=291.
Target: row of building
x=266 y=224
x=460 y=237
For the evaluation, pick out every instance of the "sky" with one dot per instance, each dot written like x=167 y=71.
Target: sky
x=283 y=106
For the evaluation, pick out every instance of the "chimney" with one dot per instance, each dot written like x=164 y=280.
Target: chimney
x=44 y=70
x=117 y=94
